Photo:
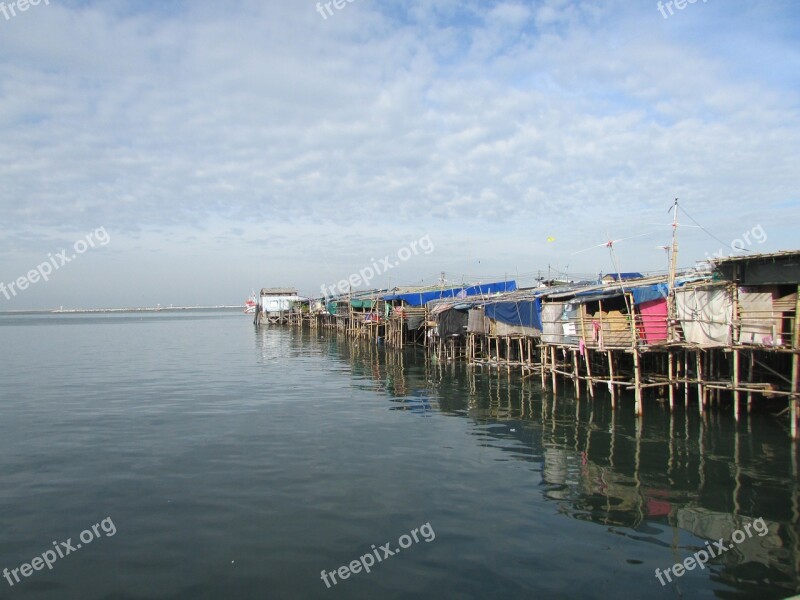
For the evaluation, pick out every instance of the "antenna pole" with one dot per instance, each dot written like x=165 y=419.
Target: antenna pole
x=673 y=265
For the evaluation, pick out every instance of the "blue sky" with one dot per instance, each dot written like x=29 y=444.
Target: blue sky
x=229 y=146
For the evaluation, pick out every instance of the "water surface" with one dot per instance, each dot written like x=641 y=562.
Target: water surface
x=237 y=463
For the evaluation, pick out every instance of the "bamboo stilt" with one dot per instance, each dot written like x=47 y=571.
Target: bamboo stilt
x=750 y=380
x=670 y=367
x=612 y=387
x=637 y=375
x=701 y=394
x=736 y=384
x=794 y=399
x=589 y=378
x=686 y=378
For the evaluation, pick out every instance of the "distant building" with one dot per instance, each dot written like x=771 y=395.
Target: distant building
x=278 y=301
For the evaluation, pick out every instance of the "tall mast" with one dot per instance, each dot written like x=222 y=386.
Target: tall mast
x=673 y=265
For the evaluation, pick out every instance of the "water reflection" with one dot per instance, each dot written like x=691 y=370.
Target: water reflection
x=673 y=480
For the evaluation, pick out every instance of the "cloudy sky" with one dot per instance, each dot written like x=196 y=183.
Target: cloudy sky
x=225 y=146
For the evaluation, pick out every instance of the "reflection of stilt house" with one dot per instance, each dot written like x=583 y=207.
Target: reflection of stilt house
x=682 y=474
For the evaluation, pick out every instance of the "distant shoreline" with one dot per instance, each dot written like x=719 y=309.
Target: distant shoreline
x=72 y=311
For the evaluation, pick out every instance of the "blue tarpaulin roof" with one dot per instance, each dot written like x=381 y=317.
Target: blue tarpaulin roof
x=422 y=298
x=592 y=295
x=649 y=293
x=527 y=313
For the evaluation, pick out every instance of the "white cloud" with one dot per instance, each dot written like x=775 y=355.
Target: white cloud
x=504 y=121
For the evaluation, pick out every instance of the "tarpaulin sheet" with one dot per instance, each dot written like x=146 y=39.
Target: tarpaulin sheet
x=758 y=319
x=595 y=295
x=527 y=313
x=476 y=322
x=422 y=298
x=414 y=321
x=705 y=315
x=650 y=293
x=452 y=322
x=552 y=330
x=570 y=318
x=356 y=303
x=654 y=320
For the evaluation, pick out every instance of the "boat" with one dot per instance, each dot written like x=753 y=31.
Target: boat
x=250 y=304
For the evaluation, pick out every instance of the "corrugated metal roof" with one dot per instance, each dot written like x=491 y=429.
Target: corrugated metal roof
x=752 y=257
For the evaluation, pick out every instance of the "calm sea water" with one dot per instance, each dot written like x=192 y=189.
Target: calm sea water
x=235 y=463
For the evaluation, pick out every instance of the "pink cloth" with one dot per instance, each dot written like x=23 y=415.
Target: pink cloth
x=654 y=320
x=597 y=333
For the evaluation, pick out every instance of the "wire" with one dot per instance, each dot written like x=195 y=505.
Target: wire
x=711 y=235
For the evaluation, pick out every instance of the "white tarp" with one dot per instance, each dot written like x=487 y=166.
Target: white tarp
x=759 y=324
x=277 y=304
x=705 y=315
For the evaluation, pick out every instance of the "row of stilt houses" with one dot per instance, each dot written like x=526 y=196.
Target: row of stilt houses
x=728 y=335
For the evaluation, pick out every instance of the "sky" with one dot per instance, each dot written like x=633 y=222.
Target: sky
x=211 y=148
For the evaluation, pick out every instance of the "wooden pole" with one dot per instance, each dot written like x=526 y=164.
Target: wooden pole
x=670 y=368
x=711 y=371
x=794 y=399
x=637 y=377
x=589 y=380
x=613 y=388
x=672 y=313
x=686 y=378
x=736 y=384
x=701 y=395
x=543 y=359
x=750 y=380
x=637 y=370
